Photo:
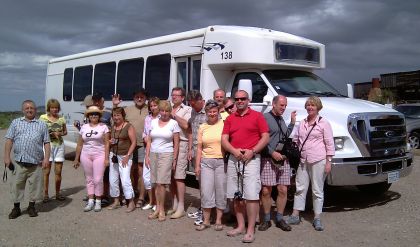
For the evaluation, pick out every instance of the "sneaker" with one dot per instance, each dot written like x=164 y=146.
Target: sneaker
x=32 y=212
x=293 y=220
x=283 y=225
x=147 y=207
x=98 y=206
x=195 y=215
x=199 y=221
x=264 y=226
x=15 y=213
x=318 y=225
x=89 y=206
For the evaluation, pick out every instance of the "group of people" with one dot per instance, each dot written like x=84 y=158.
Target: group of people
x=145 y=148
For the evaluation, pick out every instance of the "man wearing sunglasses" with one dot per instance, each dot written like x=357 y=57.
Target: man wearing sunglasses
x=244 y=135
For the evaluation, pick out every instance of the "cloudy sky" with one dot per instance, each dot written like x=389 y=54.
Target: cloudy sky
x=363 y=38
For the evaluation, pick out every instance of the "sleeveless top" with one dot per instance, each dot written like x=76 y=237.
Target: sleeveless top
x=123 y=140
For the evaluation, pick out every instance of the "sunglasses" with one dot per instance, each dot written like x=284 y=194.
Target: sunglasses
x=227 y=108
x=241 y=99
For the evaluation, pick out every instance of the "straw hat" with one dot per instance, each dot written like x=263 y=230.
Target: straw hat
x=92 y=109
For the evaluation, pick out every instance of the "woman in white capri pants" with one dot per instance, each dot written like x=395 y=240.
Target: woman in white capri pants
x=210 y=167
x=315 y=139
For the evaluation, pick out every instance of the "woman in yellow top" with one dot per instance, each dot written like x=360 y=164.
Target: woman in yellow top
x=210 y=167
x=57 y=129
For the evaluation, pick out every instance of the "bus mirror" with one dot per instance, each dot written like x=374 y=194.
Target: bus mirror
x=267 y=100
x=246 y=85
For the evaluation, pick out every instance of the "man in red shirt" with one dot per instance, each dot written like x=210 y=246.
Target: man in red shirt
x=244 y=135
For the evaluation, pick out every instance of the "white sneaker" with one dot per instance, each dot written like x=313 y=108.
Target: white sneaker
x=89 y=206
x=154 y=208
x=199 y=221
x=98 y=206
x=195 y=215
x=147 y=207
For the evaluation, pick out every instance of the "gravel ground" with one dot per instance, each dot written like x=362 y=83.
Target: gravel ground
x=350 y=219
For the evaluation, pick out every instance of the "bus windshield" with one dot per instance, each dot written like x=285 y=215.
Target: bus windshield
x=299 y=83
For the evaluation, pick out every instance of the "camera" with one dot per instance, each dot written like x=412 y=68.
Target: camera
x=114 y=159
x=238 y=196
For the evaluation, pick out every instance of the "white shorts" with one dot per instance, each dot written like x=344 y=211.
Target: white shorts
x=57 y=153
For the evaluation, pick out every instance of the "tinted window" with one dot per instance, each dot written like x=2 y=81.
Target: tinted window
x=82 y=82
x=182 y=75
x=196 y=74
x=130 y=77
x=259 y=88
x=67 y=84
x=157 y=75
x=104 y=79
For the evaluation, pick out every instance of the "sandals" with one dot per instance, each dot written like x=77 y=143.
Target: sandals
x=161 y=217
x=114 y=205
x=46 y=199
x=218 y=227
x=202 y=227
x=234 y=233
x=153 y=216
x=59 y=197
x=248 y=238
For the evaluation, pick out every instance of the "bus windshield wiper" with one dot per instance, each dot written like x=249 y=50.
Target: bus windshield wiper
x=328 y=94
x=299 y=93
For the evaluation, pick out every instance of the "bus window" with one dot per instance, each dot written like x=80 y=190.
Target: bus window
x=82 y=82
x=129 y=77
x=157 y=75
x=67 y=84
x=182 y=74
x=196 y=69
x=259 y=88
x=104 y=79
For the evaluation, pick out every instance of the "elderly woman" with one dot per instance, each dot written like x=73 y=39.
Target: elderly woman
x=161 y=154
x=153 y=104
x=210 y=167
x=57 y=128
x=315 y=139
x=123 y=143
x=92 y=152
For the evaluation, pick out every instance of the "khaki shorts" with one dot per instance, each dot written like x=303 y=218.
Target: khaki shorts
x=161 y=167
x=252 y=181
x=138 y=155
x=182 y=164
x=57 y=153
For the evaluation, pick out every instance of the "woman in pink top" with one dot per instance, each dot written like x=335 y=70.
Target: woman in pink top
x=92 y=152
x=315 y=139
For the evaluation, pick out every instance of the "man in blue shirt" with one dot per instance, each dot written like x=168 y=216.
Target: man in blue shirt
x=29 y=136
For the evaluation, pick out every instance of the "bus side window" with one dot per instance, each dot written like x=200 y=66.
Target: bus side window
x=104 y=79
x=67 y=84
x=157 y=75
x=129 y=77
x=82 y=82
x=259 y=88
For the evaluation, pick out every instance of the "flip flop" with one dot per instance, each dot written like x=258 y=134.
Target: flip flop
x=46 y=199
x=140 y=203
x=218 y=227
x=234 y=233
x=161 y=218
x=248 y=240
x=114 y=206
x=60 y=197
x=153 y=216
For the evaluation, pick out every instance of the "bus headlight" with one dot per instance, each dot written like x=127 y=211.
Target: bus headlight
x=339 y=143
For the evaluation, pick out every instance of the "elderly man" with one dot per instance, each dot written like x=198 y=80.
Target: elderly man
x=180 y=113
x=244 y=136
x=29 y=136
x=136 y=114
x=275 y=170
x=219 y=96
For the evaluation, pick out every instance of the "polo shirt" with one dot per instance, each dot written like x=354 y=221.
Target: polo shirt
x=136 y=117
x=245 y=131
x=28 y=139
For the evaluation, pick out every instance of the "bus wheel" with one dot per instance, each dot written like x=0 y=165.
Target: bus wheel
x=374 y=189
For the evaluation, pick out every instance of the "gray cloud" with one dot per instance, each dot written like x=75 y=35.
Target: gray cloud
x=363 y=38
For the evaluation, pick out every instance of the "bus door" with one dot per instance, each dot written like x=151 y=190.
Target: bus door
x=259 y=90
x=188 y=72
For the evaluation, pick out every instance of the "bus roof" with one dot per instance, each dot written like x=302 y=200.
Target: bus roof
x=240 y=30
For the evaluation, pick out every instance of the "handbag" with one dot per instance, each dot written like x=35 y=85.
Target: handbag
x=292 y=151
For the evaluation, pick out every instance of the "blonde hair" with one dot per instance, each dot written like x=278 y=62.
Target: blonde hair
x=164 y=105
x=315 y=101
x=53 y=103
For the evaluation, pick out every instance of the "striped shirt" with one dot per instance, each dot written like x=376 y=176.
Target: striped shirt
x=28 y=139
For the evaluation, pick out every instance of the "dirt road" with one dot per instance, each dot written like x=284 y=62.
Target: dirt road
x=350 y=219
